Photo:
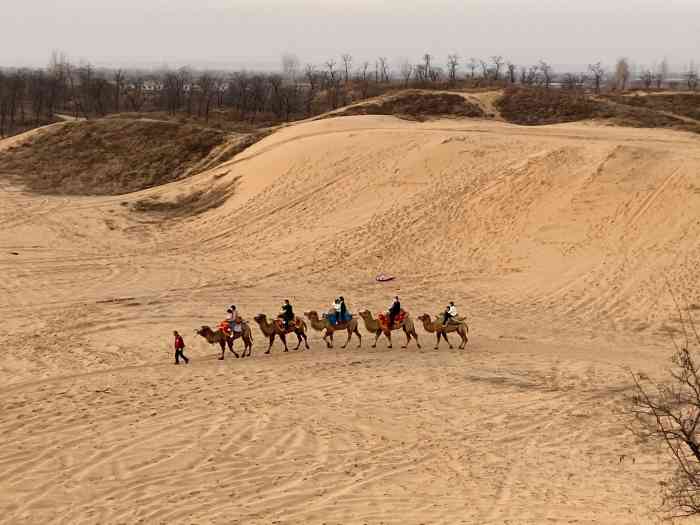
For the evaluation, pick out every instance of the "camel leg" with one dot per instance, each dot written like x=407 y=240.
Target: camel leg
x=438 y=336
x=376 y=338
x=328 y=335
x=306 y=341
x=223 y=349
x=230 y=347
x=388 y=336
x=408 y=337
x=359 y=337
x=448 y=341
x=415 y=336
x=347 y=340
x=284 y=342
x=465 y=339
x=272 y=340
x=298 y=340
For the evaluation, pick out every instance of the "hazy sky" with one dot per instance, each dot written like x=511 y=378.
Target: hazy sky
x=254 y=33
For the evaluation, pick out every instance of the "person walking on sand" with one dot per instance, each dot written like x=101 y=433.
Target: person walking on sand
x=179 y=348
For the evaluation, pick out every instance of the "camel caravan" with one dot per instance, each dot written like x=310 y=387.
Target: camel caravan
x=337 y=319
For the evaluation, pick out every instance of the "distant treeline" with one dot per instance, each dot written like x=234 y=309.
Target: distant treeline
x=32 y=97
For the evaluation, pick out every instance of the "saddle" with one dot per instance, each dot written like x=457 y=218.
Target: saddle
x=227 y=327
x=398 y=320
x=454 y=321
x=296 y=324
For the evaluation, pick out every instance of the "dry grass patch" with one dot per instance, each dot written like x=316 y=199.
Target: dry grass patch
x=540 y=106
x=417 y=105
x=109 y=156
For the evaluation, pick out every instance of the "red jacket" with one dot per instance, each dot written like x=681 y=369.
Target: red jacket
x=179 y=342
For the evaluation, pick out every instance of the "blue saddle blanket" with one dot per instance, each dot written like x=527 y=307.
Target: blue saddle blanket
x=333 y=317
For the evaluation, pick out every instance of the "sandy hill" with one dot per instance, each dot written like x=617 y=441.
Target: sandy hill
x=559 y=243
x=114 y=156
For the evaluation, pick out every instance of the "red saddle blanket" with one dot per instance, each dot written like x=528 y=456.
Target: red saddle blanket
x=296 y=323
x=398 y=320
x=225 y=325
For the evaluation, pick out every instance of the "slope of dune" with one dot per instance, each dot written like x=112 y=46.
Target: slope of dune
x=560 y=243
x=112 y=156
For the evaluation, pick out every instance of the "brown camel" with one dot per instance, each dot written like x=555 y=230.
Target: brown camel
x=222 y=339
x=459 y=325
x=272 y=329
x=324 y=324
x=373 y=325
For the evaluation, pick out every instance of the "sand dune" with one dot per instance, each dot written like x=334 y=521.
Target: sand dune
x=558 y=242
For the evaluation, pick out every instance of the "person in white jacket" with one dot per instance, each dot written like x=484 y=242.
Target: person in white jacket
x=450 y=313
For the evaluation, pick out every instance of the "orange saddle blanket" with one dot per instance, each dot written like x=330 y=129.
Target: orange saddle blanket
x=398 y=320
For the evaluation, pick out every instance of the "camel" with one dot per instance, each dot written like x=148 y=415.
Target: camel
x=372 y=325
x=441 y=330
x=272 y=329
x=222 y=339
x=324 y=324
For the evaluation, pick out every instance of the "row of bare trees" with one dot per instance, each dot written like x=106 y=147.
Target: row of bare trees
x=32 y=97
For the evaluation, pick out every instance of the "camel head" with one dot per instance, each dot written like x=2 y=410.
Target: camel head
x=202 y=331
x=312 y=315
x=366 y=315
x=260 y=318
x=425 y=318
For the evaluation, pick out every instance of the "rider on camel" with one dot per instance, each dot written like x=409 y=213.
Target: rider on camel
x=287 y=314
x=343 y=312
x=449 y=314
x=394 y=311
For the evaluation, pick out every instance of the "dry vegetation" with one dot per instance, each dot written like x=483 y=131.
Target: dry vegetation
x=109 y=156
x=683 y=104
x=539 y=106
x=417 y=105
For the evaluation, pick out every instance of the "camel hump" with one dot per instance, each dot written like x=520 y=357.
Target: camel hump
x=298 y=323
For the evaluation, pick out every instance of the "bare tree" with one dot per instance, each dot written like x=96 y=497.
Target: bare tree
x=485 y=71
x=135 y=94
x=691 y=76
x=406 y=70
x=384 y=69
x=312 y=80
x=547 y=73
x=670 y=414
x=497 y=65
x=598 y=74
x=347 y=63
x=647 y=77
x=472 y=65
x=452 y=66
x=427 y=59
x=207 y=87
x=512 y=72
x=661 y=73
x=118 y=77
x=622 y=74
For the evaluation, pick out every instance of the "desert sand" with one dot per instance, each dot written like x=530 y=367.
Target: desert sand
x=559 y=243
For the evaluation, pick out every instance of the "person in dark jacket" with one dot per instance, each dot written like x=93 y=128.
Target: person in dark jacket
x=287 y=314
x=179 y=348
x=343 y=312
x=394 y=311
